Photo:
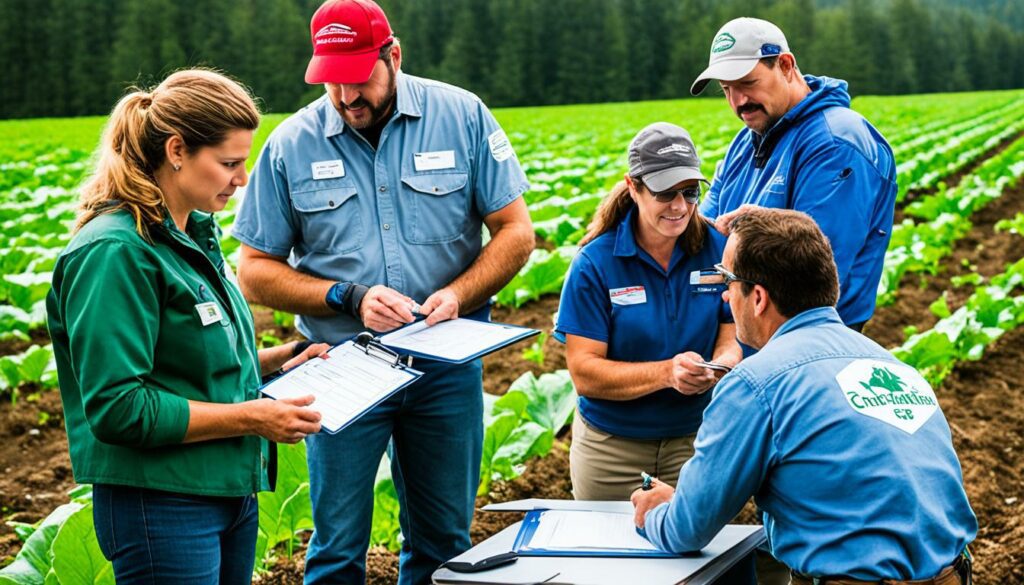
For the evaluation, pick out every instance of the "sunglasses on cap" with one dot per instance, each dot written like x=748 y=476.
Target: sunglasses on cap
x=690 y=194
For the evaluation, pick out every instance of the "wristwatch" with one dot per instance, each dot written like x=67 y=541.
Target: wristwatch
x=345 y=297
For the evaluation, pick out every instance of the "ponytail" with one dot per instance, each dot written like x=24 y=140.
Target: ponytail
x=198 y=105
x=124 y=167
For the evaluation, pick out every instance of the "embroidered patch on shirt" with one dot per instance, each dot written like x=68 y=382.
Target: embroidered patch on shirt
x=630 y=295
x=891 y=392
x=501 y=148
x=328 y=169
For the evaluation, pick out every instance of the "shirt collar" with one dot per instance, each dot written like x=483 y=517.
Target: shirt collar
x=626 y=246
x=625 y=243
x=809 y=318
x=408 y=102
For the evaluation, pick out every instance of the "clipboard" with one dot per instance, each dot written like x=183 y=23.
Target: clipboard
x=411 y=339
x=358 y=375
x=522 y=544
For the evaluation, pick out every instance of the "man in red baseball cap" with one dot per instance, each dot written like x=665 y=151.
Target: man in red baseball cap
x=353 y=46
x=364 y=207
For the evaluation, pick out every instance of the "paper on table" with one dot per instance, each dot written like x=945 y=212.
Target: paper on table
x=345 y=385
x=454 y=340
x=565 y=529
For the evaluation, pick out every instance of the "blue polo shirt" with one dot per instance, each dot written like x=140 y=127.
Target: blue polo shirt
x=618 y=294
x=407 y=215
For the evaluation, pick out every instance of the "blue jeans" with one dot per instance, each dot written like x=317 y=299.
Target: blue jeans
x=155 y=537
x=436 y=430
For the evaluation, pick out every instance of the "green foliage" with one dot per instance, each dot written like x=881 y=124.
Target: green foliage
x=523 y=422
x=385 y=530
x=287 y=510
x=33 y=366
x=33 y=562
x=535 y=353
x=284 y=319
x=75 y=555
x=964 y=334
x=550 y=399
x=543 y=274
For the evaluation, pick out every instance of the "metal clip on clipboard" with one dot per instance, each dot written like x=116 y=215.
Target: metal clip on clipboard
x=373 y=347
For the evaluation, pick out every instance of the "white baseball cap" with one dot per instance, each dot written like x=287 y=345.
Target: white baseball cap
x=737 y=48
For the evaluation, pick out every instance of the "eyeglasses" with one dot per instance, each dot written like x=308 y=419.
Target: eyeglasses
x=690 y=194
x=728 y=277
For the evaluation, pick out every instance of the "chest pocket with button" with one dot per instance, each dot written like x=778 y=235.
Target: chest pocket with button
x=330 y=218
x=437 y=204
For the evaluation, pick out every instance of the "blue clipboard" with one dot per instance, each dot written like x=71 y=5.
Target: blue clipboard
x=523 y=333
x=521 y=545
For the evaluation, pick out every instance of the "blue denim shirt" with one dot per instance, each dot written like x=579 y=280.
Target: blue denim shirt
x=825 y=160
x=845 y=451
x=617 y=294
x=408 y=215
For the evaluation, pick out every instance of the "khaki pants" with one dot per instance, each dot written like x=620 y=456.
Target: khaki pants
x=607 y=467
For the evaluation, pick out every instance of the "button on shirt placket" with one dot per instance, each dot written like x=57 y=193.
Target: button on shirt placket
x=386 y=212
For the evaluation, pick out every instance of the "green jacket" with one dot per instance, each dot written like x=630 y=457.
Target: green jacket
x=131 y=350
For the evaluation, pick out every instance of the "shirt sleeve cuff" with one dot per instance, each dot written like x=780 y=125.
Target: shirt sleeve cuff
x=503 y=202
x=172 y=417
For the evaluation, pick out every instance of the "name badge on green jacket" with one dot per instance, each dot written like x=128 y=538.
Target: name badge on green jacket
x=209 y=313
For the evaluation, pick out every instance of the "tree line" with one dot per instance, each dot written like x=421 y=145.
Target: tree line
x=76 y=57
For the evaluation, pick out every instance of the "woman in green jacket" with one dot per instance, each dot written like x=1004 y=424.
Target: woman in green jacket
x=155 y=347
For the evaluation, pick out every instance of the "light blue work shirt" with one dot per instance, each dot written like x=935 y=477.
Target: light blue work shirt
x=826 y=160
x=843 y=447
x=616 y=293
x=407 y=215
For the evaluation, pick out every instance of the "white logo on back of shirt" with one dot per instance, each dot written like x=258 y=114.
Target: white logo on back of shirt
x=891 y=392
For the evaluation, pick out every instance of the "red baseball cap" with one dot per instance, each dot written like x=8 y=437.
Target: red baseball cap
x=347 y=37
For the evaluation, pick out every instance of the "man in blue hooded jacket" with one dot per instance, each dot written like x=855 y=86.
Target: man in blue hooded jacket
x=803 y=148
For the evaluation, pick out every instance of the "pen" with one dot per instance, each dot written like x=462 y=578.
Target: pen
x=646 y=485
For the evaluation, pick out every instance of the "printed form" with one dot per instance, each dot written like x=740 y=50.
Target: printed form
x=453 y=340
x=595 y=531
x=345 y=385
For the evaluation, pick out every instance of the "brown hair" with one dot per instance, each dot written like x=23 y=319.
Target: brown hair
x=617 y=203
x=198 y=105
x=785 y=252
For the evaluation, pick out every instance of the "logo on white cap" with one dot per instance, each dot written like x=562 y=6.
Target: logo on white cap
x=723 y=42
x=334 y=29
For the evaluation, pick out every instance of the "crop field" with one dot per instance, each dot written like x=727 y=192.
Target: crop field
x=951 y=303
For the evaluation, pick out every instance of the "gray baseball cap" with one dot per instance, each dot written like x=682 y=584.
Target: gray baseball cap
x=663 y=155
x=737 y=48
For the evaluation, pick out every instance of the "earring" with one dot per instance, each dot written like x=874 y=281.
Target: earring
x=177 y=167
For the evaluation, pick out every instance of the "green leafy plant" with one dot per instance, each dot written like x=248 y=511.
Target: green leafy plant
x=535 y=353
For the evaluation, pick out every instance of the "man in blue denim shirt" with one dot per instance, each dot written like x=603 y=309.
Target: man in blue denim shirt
x=363 y=207
x=843 y=447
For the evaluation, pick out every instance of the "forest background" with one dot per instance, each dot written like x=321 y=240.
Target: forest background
x=76 y=57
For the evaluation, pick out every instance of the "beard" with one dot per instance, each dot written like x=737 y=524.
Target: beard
x=376 y=111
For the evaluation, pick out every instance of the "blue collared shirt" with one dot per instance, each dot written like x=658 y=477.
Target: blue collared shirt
x=408 y=215
x=618 y=294
x=843 y=447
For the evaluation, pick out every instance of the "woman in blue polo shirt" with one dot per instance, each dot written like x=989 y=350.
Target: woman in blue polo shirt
x=638 y=322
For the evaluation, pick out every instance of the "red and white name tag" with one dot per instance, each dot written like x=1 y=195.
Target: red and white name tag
x=629 y=295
